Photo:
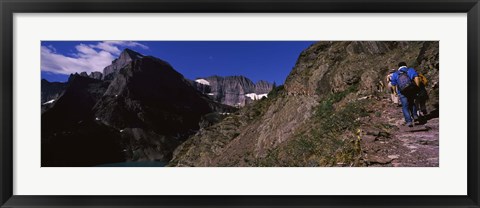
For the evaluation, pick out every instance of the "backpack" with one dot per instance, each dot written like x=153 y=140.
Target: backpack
x=406 y=86
x=423 y=79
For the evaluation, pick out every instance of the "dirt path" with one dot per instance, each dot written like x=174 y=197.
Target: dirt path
x=386 y=141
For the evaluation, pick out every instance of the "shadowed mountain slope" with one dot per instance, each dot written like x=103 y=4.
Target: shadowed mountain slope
x=140 y=112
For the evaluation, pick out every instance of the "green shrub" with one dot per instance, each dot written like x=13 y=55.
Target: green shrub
x=325 y=144
x=276 y=91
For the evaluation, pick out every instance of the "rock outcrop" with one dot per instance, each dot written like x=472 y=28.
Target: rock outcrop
x=96 y=75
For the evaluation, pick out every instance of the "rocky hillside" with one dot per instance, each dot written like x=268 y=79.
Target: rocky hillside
x=332 y=104
x=232 y=90
x=50 y=92
x=139 y=112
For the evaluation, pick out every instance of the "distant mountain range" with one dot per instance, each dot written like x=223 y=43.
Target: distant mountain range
x=138 y=109
x=233 y=90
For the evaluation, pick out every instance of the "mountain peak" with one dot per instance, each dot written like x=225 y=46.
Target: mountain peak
x=130 y=54
x=126 y=57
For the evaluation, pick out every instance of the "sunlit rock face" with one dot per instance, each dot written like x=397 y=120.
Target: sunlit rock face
x=232 y=90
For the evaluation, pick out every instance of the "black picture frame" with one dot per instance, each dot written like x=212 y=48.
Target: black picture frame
x=9 y=7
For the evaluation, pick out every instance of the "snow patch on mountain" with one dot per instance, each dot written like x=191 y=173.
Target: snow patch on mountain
x=48 y=102
x=203 y=81
x=255 y=96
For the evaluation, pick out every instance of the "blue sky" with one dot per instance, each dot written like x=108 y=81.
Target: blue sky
x=257 y=60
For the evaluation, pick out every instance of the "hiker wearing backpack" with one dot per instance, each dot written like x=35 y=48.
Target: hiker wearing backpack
x=422 y=96
x=393 y=94
x=406 y=84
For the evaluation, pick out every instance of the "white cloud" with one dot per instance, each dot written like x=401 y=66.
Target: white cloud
x=86 y=58
x=52 y=48
x=112 y=46
x=107 y=47
x=85 y=50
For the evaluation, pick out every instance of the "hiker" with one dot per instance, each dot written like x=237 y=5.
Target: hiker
x=380 y=86
x=406 y=84
x=422 y=96
x=393 y=95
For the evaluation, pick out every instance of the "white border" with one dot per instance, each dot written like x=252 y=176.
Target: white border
x=448 y=179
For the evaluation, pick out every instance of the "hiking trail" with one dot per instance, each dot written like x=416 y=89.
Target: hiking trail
x=389 y=143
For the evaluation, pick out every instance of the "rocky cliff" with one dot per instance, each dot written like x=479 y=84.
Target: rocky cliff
x=232 y=90
x=332 y=102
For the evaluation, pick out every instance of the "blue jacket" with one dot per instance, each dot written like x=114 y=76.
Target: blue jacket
x=410 y=72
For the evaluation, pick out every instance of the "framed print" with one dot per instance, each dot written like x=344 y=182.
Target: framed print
x=233 y=103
